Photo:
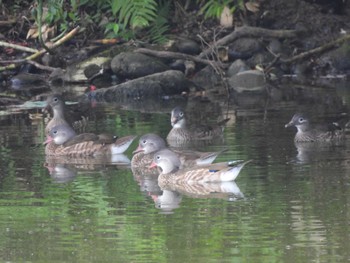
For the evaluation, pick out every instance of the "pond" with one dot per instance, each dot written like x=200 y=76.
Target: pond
x=290 y=204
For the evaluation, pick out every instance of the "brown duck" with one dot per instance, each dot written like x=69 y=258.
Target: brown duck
x=306 y=132
x=181 y=133
x=60 y=114
x=151 y=143
x=62 y=140
x=171 y=173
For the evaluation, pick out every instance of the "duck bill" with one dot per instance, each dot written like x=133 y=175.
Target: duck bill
x=289 y=124
x=46 y=109
x=173 y=121
x=48 y=140
x=152 y=165
x=138 y=149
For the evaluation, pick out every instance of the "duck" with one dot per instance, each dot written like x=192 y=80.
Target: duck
x=307 y=132
x=181 y=133
x=170 y=164
x=60 y=113
x=62 y=140
x=151 y=143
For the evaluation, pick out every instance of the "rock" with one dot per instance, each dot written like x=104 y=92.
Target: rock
x=206 y=78
x=55 y=61
x=100 y=76
x=57 y=77
x=91 y=70
x=134 y=65
x=236 y=67
x=250 y=80
x=27 y=80
x=76 y=72
x=339 y=58
x=243 y=48
x=159 y=85
x=275 y=46
x=259 y=58
x=29 y=85
x=178 y=64
x=187 y=46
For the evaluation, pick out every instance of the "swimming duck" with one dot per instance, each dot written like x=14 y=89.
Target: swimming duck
x=62 y=140
x=306 y=132
x=60 y=114
x=151 y=143
x=180 y=132
x=171 y=173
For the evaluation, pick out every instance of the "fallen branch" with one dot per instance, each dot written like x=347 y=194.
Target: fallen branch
x=247 y=31
x=56 y=44
x=40 y=66
x=176 y=55
x=317 y=50
x=278 y=60
x=18 y=47
x=8 y=22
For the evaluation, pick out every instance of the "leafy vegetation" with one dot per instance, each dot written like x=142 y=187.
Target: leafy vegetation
x=214 y=8
x=125 y=19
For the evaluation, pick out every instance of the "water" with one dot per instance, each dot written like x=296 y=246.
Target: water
x=290 y=204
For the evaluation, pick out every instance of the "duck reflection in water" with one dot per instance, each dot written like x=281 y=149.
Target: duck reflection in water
x=319 y=152
x=171 y=197
x=64 y=170
x=61 y=173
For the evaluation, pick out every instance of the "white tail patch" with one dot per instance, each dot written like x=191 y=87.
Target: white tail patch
x=232 y=173
x=121 y=145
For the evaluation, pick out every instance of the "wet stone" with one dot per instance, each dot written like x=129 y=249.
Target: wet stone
x=248 y=81
x=134 y=65
x=159 y=85
x=236 y=67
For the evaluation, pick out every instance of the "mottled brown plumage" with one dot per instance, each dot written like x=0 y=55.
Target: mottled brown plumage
x=62 y=140
x=61 y=114
x=151 y=143
x=181 y=133
x=306 y=132
x=171 y=173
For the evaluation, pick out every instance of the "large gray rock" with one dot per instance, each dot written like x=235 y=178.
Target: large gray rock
x=206 y=78
x=159 y=85
x=237 y=66
x=134 y=65
x=250 y=80
x=243 y=48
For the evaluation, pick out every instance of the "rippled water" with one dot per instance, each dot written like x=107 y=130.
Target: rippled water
x=289 y=205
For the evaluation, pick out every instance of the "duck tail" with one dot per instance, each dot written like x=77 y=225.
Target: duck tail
x=234 y=170
x=209 y=157
x=122 y=144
